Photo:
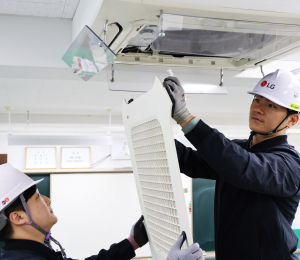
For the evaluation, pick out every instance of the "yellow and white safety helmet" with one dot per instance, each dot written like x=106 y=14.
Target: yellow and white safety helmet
x=281 y=87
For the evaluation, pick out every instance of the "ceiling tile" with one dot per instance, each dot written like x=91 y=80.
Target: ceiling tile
x=34 y=1
x=43 y=8
x=70 y=8
x=8 y=7
x=54 y=1
x=54 y=88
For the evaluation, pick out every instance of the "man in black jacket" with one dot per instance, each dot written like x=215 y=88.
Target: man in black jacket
x=26 y=218
x=257 y=180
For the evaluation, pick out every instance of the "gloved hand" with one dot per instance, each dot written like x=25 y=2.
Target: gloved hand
x=177 y=96
x=138 y=235
x=193 y=252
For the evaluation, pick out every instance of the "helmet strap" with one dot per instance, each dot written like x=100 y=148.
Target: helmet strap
x=275 y=130
x=31 y=223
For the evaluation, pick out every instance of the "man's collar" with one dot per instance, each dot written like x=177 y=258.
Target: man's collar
x=33 y=246
x=269 y=143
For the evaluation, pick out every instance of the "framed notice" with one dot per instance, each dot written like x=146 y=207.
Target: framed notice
x=40 y=158
x=75 y=157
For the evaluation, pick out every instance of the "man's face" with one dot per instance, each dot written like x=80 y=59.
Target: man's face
x=265 y=115
x=41 y=212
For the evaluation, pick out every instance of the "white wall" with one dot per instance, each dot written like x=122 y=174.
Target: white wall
x=94 y=211
x=34 y=41
x=231 y=127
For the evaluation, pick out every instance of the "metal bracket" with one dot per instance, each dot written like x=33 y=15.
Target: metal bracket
x=161 y=33
x=104 y=33
x=112 y=73
x=9 y=109
x=261 y=70
x=221 y=78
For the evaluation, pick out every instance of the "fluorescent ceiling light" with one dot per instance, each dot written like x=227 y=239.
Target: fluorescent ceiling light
x=292 y=66
x=58 y=140
x=204 y=89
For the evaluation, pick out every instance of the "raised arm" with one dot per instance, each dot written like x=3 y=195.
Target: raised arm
x=125 y=249
x=276 y=173
x=191 y=163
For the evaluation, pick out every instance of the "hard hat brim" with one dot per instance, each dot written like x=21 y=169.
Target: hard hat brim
x=270 y=98
x=26 y=188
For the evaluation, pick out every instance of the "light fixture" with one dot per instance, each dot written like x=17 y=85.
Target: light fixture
x=204 y=89
x=207 y=88
x=59 y=140
x=292 y=66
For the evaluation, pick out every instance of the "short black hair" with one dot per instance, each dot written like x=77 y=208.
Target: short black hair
x=292 y=112
x=7 y=232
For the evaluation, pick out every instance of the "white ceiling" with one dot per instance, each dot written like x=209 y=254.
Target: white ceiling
x=54 y=92
x=42 y=8
x=50 y=88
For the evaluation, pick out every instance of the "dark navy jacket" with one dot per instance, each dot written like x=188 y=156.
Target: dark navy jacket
x=30 y=250
x=256 y=194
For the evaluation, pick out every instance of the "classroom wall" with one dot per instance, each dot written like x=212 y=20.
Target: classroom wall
x=232 y=128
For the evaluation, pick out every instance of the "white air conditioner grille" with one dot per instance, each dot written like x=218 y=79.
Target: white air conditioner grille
x=156 y=186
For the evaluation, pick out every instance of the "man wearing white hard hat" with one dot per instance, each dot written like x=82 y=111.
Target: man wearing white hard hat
x=257 y=180
x=26 y=218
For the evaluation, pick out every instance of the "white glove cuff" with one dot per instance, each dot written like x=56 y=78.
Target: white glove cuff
x=182 y=115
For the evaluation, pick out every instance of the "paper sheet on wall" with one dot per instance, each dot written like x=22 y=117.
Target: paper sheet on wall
x=147 y=122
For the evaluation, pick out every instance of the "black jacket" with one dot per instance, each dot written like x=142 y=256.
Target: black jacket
x=30 y=250
x=256 y=195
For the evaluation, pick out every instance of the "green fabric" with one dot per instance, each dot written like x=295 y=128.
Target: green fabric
x=297 y=232
x=44 y=188
x=203 y=213
x=190 y=125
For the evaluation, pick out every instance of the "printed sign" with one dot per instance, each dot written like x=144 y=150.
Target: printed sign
x=75 y=157
x=40 y=158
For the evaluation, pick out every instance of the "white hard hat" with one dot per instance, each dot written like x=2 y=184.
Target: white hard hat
x=281 y=87
x=12 y=184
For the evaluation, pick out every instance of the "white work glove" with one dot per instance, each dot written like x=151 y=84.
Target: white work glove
x=177 y=96
x=193 y=252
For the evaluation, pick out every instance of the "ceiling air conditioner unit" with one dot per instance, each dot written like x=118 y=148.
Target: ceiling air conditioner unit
x=176 y=37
